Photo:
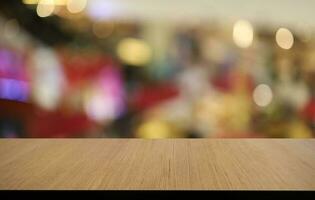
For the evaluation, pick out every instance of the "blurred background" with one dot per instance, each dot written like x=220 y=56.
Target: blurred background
x=157 y=68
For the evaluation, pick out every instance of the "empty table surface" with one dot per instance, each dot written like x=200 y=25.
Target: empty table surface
x=171 y=164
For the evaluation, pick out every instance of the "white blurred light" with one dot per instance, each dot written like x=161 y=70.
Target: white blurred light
x=134 y=51
x=45 y=8
x=11 y=28
x=48 y=78
x=76 y=6
x=284 y=38
x=100 y=107
x=101 y=9
x=243 y=33
x=262 y=95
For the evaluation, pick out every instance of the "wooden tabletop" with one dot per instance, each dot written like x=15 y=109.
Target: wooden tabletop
x=157 y=164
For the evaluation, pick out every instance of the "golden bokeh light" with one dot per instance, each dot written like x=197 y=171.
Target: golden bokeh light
x=134 y=51
x=243 y=34
x=76 y=6
x=284 y=38
x=154 y=129
x=45 y=8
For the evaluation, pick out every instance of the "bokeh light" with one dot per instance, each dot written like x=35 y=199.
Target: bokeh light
x=76 y=6
x=154 y=129
x=12 y=89
x=262 y=95
x=243 y=33
x=45 y=8
x=118 y=68
x=284 y=38
x=60 y=2
x=48 y=81
x=55 y=2
x=101 y=10
x=134 y=51
x=100 y=107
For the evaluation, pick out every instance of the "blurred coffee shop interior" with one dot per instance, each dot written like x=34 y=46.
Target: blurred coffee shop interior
x=157 y=69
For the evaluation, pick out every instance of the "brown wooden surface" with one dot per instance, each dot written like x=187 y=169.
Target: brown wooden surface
x=157 y=164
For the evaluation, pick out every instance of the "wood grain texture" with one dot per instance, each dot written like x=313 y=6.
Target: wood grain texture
x=194 y=164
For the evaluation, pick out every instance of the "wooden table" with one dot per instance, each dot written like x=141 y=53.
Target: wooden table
x=157 y=164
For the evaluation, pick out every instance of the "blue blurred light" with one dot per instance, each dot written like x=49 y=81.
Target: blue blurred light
x=12 y=89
